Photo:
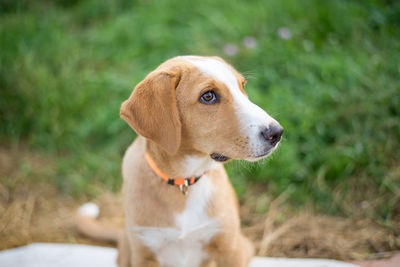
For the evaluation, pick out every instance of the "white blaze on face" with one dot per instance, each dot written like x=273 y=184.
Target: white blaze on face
x=251 y=117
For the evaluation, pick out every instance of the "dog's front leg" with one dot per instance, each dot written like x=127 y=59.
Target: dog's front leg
x=232 y=251
x=132 y=253
x=124 y=253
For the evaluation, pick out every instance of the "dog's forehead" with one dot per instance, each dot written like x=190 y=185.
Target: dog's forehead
x=215 y=69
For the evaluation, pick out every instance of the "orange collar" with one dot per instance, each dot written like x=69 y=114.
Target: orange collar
x=183 y=183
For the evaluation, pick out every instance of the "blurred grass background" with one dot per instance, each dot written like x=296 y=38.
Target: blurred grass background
x=328 y=71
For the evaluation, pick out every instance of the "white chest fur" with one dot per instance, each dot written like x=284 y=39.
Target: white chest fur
x=183 y=245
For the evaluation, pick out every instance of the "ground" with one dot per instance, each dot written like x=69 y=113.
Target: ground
x=38 y=212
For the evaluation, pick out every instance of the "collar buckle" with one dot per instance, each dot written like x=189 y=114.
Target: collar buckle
x=184 y=187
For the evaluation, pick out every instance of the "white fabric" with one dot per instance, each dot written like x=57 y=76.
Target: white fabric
x=69 y=255
x=285 y=262
x=58 y=255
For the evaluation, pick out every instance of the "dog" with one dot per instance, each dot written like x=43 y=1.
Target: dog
x=192 y=115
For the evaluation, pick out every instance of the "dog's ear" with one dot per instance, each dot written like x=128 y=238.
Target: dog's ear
x=152 y=112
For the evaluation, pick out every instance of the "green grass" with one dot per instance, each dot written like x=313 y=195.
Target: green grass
x=66 y=66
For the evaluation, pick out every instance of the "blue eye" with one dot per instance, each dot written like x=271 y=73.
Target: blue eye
x=208 y=97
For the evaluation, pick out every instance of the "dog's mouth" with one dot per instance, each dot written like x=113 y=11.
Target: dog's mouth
x=261 y=156
x=222 y=158
x=219 y=157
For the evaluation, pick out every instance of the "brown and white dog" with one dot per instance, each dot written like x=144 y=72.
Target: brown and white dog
x=192 y=115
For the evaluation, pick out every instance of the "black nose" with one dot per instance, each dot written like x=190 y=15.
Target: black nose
x=273 y=134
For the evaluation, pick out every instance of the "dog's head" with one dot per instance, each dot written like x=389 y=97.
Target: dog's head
x=199 y=104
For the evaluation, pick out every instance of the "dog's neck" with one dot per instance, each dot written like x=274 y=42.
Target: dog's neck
x=185 y=163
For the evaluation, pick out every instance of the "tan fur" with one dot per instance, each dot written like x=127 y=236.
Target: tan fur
x=96 y=230
x=164 y=110
x=146 y=111
x=162 y=202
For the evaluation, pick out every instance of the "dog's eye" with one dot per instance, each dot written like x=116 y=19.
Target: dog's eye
x=208 y=97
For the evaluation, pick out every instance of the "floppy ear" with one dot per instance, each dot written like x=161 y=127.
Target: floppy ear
x=152 y=112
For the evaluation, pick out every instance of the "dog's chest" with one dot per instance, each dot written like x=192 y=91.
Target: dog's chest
x=183 y=245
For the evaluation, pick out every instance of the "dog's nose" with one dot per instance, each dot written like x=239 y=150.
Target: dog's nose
x=273 y=134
